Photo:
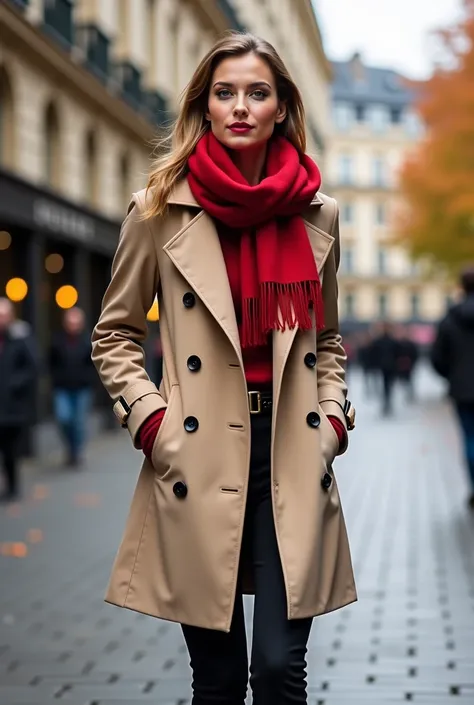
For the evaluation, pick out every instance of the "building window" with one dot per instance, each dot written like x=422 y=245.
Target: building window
x=380 y=214
x=52 y=167
x=345 y=169
x=379 y=118
x=413 y=124
x=343 y=116
x=347 y=260
x=379 y=174
x=415 y=305
x=7 y=123
x=91 y=169
x=382 y=260
x=383 y=304
x=349 y=305
x=360 y=113
x=347 y=213
x=396 y=115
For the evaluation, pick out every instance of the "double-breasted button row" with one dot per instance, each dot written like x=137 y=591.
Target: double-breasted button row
x=313 y=419
x=310 y=359
x=194 y=363
x=191 y=424
x=180 y=490
x=326 y=481
x=189 y=300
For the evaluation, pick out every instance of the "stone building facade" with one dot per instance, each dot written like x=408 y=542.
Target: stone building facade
x=373 y=125
x=84 y=87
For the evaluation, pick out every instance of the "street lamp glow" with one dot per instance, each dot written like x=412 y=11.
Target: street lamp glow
x=154 y=313
x=54 y=263
x=66 y=296
x=5 y=240
x=16 y=289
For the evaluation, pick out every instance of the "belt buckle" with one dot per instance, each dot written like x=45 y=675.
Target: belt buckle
x=258 y=397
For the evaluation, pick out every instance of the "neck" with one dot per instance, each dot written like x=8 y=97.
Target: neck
x=250 y=163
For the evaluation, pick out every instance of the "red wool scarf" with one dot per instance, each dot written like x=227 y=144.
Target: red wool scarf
x=280 y=281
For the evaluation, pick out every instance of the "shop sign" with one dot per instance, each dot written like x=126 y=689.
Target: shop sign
x=63 y=221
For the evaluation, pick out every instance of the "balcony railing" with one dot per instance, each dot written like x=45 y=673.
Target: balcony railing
x=58 y=21
x=157 y=108
x=229 y=11
x=129 y=78
x=95 y=45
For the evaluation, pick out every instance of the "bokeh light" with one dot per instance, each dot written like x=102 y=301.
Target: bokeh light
x=54 y=263
x=154 y=313
x=5 y=240
x=66 y=296
x=16 y=289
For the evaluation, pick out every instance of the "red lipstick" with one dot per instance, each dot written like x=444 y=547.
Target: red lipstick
x=240 y=127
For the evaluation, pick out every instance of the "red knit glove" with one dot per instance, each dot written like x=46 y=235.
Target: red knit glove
x=338 y=426
x=148 y=431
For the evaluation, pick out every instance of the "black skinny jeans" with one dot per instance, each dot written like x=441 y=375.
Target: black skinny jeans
x=278 y=660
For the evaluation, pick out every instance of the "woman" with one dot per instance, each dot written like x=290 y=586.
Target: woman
x=236 y=492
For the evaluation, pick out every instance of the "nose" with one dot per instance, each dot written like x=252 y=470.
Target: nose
x=240 y=108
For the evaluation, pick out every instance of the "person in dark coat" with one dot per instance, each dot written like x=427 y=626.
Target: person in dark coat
x=73 y=376
x=407 y=358
x=18 y=366
x=384 y=357
x=452 y=356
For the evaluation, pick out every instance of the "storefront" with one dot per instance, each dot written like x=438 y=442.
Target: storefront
x=52 y=255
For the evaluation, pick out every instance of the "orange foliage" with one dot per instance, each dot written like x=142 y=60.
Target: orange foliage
x=437 y=180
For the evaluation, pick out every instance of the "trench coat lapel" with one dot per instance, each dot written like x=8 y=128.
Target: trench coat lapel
x=321 y=243
x=196 y=252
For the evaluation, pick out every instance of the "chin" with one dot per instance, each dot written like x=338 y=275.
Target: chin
x=242 y=142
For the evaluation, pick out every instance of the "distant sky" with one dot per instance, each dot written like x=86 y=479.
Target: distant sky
x=389 y=33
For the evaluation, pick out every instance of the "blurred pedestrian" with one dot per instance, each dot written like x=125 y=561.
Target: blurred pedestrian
x=73 y=377
x=407 y=358
x=231 y=232
x=385 y=357
x=365 y=358
x=18 y=369
x=452 y=356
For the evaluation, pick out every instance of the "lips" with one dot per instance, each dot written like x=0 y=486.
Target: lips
x=240 y=127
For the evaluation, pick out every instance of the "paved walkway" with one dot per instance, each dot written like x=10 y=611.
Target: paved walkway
x=409 y=638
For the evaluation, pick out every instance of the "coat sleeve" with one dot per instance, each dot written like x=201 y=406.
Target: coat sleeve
x=332 y=389
x=117 y=350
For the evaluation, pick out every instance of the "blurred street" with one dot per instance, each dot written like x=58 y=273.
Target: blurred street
x=409 y=638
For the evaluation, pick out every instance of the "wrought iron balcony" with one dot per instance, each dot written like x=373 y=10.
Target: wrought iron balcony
x=228 y=9
x=58 y=21
x=129 y=78
x=157 y=108
x=96 y=49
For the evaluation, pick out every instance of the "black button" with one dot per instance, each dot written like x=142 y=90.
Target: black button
x=194 y=363
x=313 y=419
x=326 y=481
x=189 y=300
x=180 y=490
x=191 y=424
x=310 y=360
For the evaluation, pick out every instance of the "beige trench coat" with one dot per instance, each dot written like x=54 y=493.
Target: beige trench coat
x=179 y=556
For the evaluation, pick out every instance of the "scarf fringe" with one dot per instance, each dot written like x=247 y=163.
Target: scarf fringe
x=281 y=306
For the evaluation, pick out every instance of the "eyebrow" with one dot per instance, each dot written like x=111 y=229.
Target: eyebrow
x=256 y=84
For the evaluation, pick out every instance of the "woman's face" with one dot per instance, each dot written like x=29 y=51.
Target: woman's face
x=243 y=102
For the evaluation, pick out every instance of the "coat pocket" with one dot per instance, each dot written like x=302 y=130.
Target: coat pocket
x=158 y=453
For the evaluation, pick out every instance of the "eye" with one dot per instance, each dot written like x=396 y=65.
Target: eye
x=224 y=93
x=259 y=95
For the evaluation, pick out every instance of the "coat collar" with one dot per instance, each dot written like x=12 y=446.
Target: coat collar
x=196 y=252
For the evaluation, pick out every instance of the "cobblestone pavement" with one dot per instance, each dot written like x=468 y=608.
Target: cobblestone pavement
x=409 y=638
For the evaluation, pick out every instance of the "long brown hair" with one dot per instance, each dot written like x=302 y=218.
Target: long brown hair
x=176 y=148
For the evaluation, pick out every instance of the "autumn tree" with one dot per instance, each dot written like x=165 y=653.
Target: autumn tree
x=437 y=180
